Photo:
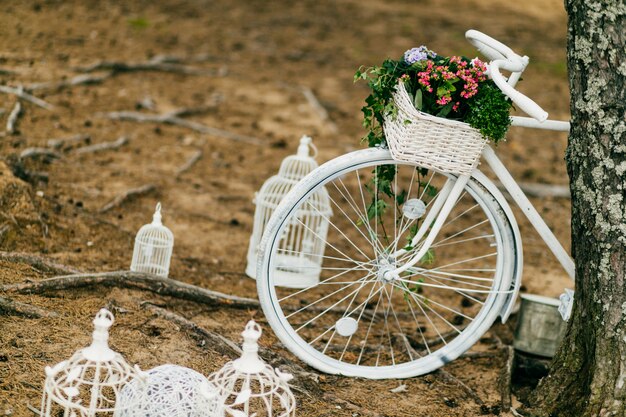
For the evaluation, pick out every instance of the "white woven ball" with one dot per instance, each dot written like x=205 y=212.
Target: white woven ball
x=170 y=391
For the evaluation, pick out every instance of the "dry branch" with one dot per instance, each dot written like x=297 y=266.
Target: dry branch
x=448 y=377
x=173 y=118
x=319 y=109
x=197 y=155
x=37 y=152
x=34 y=410
x=39 y=263
x=18 y=92
x=304 y=381
x=68 y=142
x=158 y=63
x=217 y=342
x=103 y=146
x=505 y=379
x=127 y=196
x=13 y=116
x=350 y=406
x=83 y=79
x=445 y=375
x=9 y=306
x=137 y=281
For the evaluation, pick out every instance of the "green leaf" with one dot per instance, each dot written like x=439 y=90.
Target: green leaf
x=418 y=100
x=445 y=110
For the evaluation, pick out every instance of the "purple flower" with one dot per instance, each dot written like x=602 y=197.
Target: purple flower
x=414 y=55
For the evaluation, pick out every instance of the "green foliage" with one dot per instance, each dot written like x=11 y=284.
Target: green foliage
x=490 y=113
x=139 y=22
x=454 y=88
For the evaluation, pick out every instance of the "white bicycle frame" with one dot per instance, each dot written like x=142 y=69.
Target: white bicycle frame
x=502 y=57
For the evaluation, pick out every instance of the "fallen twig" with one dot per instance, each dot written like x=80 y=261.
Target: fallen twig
x=33 y=409
x=445 y=375
x=448 y=377
x=217 y=342
x=38 y=262
x=68 y=142
x=197 y=155
x=25 y=96
x=479 y=355
x=319 y=108
x=173 y=118
x=133 y=280
x=505 y=379
x=304 y=381
x=83 y=79
x=16 y=308
x=350 y=405
x=37 y=152
x=158 y=63
x=13 y=116
x=515 y=412
x=98 y=147
x=128 y=195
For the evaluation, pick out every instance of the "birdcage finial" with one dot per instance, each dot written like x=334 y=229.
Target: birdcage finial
x=156 y=218
x=303 y=149
x=249 y=362
x=99 y=349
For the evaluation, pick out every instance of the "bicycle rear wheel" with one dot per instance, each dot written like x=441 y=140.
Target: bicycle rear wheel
x=356 y=322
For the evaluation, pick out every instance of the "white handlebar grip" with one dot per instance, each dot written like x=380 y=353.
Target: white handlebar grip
x=525 y=104
x=529 y=107
x=488 y=46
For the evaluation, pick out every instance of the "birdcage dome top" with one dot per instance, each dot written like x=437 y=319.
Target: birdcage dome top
x=295 y=167
x=170 y=391
x=94 y=366
x=156 y=230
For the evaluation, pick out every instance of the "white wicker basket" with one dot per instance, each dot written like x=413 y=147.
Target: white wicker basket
x=430 y=141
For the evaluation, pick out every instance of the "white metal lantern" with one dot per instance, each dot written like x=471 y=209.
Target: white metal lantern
x=170 y=391
x=301 y=249
x=153 y=247
x=89 y=383
x=250 y=387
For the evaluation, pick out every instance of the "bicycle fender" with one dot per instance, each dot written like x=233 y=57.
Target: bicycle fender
x=518 y=267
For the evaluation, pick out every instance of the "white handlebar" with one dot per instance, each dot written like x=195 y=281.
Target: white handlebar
x=502 y=57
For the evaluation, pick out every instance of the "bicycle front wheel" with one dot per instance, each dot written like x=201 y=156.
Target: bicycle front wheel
x=354 y=320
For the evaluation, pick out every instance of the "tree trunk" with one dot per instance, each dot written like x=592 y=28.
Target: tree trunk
x=588 y=373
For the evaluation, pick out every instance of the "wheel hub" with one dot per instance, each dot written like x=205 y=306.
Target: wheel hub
x=386 y=269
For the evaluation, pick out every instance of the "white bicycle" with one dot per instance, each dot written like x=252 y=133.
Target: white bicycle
x=411 y=288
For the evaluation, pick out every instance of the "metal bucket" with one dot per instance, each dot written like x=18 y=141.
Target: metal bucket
x=540 y=327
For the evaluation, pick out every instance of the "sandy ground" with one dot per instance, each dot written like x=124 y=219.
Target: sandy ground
x=252 y=60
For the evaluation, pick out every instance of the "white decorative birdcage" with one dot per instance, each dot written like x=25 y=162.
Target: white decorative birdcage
x=248 y=386
x=90 y=382
x=153 y=247
x=170 y=391
x=301 y=248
